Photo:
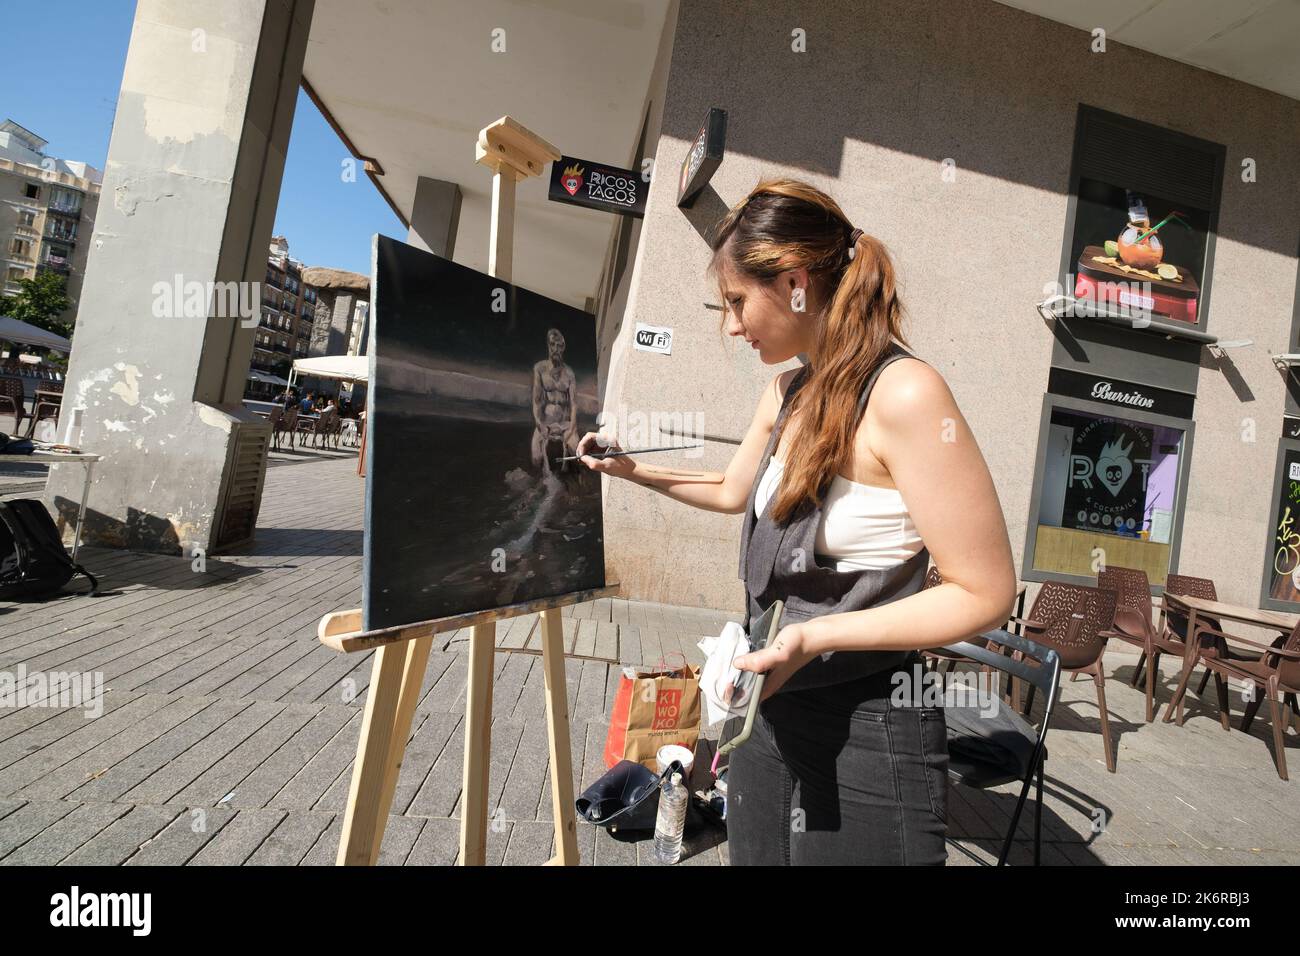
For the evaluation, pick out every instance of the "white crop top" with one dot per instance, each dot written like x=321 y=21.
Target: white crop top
x=861 y=527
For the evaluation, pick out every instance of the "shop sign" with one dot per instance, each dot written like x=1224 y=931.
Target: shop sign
x=1114 y=391
x=581 y=182
x=704 y=156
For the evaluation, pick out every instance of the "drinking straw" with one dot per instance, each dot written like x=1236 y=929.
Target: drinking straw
x=1173 y=215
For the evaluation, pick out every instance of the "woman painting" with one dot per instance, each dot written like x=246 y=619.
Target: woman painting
x=858 y=468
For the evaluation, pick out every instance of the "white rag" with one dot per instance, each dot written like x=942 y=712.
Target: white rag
x=719 y=676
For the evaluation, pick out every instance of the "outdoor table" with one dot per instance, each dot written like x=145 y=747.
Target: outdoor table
x=1203 y=607
x=261 y=408
x=307 y=417
x=57 y=457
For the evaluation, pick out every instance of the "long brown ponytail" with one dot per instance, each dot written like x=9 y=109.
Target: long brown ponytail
x=785 y=224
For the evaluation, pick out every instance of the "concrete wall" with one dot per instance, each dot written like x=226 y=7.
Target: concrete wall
x=885 y=92
x=623 y=253
x=332 y=325
x=191 y=185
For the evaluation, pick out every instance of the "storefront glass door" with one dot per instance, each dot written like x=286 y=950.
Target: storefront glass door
x=1107 y=482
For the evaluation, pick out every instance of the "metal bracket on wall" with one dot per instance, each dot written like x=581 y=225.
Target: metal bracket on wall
x=1064 y=306
x=1287 y=363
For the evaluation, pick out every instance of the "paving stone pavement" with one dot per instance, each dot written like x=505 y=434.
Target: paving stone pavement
x=227 y=731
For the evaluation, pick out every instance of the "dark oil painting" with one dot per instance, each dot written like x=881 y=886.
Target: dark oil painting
x=477 y=389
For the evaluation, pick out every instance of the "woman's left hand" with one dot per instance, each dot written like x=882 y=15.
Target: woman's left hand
x=779 y=660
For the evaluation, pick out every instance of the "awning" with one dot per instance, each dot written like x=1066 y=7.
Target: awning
x=371 y=65
x=267 y=377
x=355 y=368
x=11 y=330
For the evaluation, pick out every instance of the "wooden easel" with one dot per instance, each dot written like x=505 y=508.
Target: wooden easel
x=512 y=153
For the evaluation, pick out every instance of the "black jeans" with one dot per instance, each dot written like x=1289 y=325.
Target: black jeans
x=839 y=775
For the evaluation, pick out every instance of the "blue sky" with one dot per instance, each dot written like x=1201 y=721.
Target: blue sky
x=328 y=221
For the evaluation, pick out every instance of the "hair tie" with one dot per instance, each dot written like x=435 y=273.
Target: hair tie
x=854 y=236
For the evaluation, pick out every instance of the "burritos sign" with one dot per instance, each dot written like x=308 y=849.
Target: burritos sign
x=1112 y=391
x=580 y=182
x=703 y=157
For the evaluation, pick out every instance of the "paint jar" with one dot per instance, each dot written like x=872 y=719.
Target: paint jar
x=72 y=431
x=670 y=752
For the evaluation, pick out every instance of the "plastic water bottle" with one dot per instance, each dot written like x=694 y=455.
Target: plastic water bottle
x=671 y=820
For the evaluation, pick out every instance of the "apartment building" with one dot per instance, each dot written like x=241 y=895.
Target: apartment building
x=288 y=311
x=47 y=213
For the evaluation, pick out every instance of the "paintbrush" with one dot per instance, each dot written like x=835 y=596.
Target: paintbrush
x=630 y=451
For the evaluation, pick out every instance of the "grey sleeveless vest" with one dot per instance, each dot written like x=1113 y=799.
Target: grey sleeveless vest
x=778 y=561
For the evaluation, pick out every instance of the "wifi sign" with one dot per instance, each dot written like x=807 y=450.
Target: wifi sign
x=653 y=338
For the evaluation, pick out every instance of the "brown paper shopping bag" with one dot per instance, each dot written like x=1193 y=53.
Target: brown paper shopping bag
x=651 y=710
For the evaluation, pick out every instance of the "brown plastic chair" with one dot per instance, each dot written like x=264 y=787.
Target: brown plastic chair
x=938 y=656
x=11 y=400
x=1276 y=673
x=336 y=428
x=1076 y=622
x=1204 y=588
x=273 y=418
x=289 y=424
x=46 y=404
x=1133 y=624
x=948 y=659
x=327 y=425
x=318 y=427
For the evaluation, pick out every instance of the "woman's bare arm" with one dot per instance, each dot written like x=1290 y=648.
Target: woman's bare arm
x=919 y=434
x=724 y=492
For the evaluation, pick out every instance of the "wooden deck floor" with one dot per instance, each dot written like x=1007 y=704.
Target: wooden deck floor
x=227 y=732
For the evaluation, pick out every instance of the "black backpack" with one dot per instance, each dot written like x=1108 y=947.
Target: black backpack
x=33 y=561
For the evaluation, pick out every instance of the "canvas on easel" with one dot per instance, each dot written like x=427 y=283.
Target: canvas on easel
x=556 y=401
x=477 y=389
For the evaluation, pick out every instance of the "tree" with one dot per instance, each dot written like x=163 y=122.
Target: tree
x=40 y=302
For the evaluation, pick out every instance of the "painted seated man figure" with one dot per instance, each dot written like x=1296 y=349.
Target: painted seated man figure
x=555 y=407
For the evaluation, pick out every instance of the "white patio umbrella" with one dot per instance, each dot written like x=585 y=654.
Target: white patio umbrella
x=353 y=368
x=12 y=330
x=258 y=376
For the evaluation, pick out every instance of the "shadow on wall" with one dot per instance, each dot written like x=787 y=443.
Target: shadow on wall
x=140 y=531
x=992 y=87
x=705 y=212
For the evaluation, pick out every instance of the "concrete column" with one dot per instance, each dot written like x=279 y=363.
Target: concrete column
x=189 y=197
x=435 y=216
x=333 y=322
x=337 y=294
